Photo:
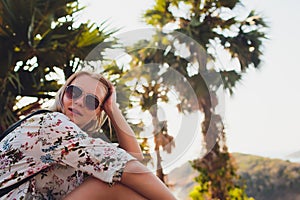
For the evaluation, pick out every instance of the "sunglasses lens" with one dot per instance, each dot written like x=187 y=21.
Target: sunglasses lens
x=73 y=92
x=91 y=102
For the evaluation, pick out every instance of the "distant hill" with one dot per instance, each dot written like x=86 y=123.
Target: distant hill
x=294 y=156
x=266 y=179
x=182 y=180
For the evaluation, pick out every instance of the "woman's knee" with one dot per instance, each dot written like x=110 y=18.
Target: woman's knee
x=93 y=188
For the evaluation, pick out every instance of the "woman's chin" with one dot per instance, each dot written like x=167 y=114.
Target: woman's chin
x=74 y=119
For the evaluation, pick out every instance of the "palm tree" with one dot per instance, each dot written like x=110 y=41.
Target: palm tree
x=38 y=37
x=214 y=26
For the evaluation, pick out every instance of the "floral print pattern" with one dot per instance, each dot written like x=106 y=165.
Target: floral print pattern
x=61 y=153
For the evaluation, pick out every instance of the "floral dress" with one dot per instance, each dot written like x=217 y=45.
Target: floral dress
x=51 y=144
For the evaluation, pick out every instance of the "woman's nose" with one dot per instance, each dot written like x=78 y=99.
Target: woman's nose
x=79 y=101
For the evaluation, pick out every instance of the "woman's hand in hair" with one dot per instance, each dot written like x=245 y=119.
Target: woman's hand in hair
x=110 y=104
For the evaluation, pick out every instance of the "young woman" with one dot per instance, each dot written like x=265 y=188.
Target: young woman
x=71 y=164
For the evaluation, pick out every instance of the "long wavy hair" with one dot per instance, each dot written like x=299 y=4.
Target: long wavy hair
x=95 y=124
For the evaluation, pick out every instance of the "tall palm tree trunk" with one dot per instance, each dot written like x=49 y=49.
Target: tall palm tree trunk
x=158 y=143
x=216 y=168
x=159 y=170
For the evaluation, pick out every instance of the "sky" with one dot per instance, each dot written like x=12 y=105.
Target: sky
x=262 y=117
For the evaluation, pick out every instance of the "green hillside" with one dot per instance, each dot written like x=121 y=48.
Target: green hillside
x=265 y=178
x=269 y=178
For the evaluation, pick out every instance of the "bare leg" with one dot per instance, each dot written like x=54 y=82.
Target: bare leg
x=137 y=182
x=92 y=188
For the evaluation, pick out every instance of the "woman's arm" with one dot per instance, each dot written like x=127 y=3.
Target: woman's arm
x=140 y=179
x=125 y=134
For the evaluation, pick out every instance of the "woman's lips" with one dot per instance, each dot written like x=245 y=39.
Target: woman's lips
x=74 y=111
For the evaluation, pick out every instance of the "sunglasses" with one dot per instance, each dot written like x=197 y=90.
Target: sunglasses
x=91 y=101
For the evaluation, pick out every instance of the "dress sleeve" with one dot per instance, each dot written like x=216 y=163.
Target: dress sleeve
x=63 y=142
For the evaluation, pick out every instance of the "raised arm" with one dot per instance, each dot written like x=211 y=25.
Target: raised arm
x=125 y=134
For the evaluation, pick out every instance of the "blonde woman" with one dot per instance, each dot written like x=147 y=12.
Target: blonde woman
x=69 y=163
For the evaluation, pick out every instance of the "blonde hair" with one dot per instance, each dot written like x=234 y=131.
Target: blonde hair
x=93 y=125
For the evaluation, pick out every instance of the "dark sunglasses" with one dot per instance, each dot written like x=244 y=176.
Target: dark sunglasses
x=91 y=101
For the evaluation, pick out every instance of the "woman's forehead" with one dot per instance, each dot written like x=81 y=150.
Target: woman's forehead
x=88 y=84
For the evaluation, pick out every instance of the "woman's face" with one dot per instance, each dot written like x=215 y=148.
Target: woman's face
x=81 y=109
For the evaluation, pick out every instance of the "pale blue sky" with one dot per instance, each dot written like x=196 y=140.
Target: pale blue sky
x=263 y=116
